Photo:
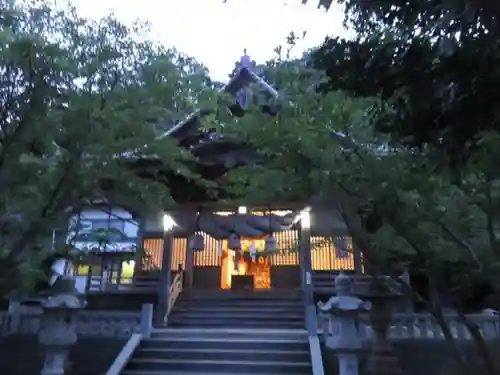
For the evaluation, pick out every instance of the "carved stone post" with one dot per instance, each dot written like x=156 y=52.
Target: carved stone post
x=57 y=333
x=382 y=360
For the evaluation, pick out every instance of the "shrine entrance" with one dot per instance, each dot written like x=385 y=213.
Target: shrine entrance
x=245 y=269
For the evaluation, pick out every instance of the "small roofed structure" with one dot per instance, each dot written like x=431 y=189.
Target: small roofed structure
x=215 y=153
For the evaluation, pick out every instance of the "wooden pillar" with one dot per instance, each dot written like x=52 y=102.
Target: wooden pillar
x=358 y=261
x=164 y=288
x=104 y=271
x=188 y=280
x=305 y=262
x=119 y=272
x=88 y=279
x=139 y=248
x=407 y=298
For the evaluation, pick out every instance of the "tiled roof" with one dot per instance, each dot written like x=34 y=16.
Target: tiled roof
x=242 y=78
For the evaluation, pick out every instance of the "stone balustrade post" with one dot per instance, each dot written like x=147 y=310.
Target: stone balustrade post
x=146 y=319
x=14 y=317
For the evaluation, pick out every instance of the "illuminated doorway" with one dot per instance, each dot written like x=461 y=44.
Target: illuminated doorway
x=255 y=267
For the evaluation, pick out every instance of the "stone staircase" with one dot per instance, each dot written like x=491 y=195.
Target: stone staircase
x=261 y=309
x=224 y=333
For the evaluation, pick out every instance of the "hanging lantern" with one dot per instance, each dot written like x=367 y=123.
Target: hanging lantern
x=341 y=247
x=253 y=250
x=233 y=242
x=197 y=242
x=236 y=262
x=270 y=245
x=219 y=248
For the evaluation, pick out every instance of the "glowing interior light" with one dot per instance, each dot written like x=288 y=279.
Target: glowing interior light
x=168 y=223
x=305 y=219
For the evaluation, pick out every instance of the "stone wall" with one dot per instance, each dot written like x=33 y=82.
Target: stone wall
x=90 y=356
x=429 y=357
x=130 y=301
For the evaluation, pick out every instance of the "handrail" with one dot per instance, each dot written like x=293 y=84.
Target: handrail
x=175 y=291
x=133 y=342
x=316 y=356
x=314 y=345
x=125 y=354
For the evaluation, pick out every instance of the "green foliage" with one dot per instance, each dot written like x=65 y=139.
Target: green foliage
x=427 y=74
x=80 y=99
x=433 y=64
x=401 y=207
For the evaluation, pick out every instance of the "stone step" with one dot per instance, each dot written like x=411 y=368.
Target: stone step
x=192 y=304
x=234 y=323
x=230 y=366
x=240 y=301
x=144 y=372
x=252 y=296
x=295 y=335
x=223 y=344
x=254 y=339
x=245 y=296
x=234 y=354
x=209 y=309
x=256 y=315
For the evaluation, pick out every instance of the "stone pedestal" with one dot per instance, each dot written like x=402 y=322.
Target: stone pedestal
x=348 y=364
x=382 y=360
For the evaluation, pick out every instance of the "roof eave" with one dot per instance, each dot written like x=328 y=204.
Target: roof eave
x=241 y=79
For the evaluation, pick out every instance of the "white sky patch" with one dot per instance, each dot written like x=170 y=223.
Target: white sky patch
x=215 y=33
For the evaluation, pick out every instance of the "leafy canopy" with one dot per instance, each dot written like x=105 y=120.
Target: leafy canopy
x=78 y=98
x=399 y=208
x=433 y=64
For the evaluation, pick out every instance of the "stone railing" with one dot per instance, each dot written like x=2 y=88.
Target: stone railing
x=415 y=326
x=424 y=326
x=87 y=323
x=324 y=282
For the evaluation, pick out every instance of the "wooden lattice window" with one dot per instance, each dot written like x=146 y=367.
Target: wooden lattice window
x=287 y=243
x=210 y=256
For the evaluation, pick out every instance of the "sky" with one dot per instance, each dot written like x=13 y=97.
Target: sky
x=216 y=33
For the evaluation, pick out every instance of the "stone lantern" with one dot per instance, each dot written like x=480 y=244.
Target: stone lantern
x=57 y=332
x=342 y=333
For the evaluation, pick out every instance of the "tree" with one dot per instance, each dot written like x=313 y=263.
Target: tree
x=432 y=67
x=400 y=209
x=432 y=64
x=403 y=139
x=79 y=100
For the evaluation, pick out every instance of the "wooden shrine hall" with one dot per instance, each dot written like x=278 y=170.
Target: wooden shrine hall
x=252 y=249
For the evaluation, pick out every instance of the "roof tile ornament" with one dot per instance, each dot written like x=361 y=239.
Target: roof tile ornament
x=245 y=61
x=245 y=94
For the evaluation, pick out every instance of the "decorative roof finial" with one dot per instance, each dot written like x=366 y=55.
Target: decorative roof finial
x=245 y=60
